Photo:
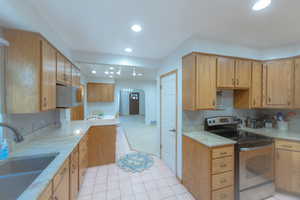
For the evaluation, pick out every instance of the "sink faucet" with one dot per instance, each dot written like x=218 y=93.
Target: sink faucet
x=18 y=137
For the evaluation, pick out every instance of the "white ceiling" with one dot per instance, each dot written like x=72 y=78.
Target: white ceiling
x=104 y=25
x=126 y=72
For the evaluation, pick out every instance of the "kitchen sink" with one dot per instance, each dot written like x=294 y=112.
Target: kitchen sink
x=16 y=174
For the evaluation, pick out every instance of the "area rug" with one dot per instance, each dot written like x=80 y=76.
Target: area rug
x=135 y=162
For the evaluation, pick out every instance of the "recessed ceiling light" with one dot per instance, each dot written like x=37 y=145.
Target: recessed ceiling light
x=136 y=28
x=118 y=72
x=140 y=74
x=128 y=50
x=111 y=68
x=261 y=4
x=110 y=76
x=111 y=72
x=106 y=72
x=94 y=72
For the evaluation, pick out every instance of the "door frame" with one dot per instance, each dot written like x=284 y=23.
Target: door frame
x=160 y=114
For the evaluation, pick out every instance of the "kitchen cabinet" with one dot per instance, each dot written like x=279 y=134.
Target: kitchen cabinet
x=287 y=165
x=75 y=77
x=101 y=145
x=297 y=84
x=48 y=77
x=83 y=159
x=242 y=74
x=277 y=83
x=77 y=113
x=30 y=73
x=225 y=73
x=100 y=92
x=61 y=183
x=47 y=193
x=68 y=72
x=212 y=176
x=74 y=174
x=199 y=82
x=60 y=69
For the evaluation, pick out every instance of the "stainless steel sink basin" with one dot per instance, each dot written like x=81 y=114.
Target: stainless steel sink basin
x=16 y=174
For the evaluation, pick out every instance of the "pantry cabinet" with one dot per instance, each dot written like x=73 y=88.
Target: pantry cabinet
x=277 y=84
x=287 y=166
x=199 y=82
x=225 y=73
x=100 y=92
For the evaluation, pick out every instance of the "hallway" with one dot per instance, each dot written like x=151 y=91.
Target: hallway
x=141 y=137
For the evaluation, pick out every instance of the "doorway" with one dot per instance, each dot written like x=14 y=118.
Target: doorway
x=134 y=103
x=168 y=119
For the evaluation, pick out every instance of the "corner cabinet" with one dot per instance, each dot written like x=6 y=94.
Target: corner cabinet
x=199 y=82
x=30 y=73
x=278 y=84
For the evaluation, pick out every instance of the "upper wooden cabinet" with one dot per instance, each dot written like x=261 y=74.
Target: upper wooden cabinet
x=75 y=76
x=68 y=72
x=297 y=83
x=100 y=92
x=199 y=82
x=30 y=73
x=242 y=74
x=256 y=85
x=277 y=83
x=233 y=74
x=60 y=69
x=225 y=73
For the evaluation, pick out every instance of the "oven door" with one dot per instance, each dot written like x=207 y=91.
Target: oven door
x=256 y=166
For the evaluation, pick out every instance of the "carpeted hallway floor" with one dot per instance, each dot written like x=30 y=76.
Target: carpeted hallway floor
x=141 y=137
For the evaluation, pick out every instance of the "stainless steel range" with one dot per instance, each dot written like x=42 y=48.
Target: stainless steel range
x=254 y=159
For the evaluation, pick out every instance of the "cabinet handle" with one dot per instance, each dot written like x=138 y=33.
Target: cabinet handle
x=63 y=172
x=213 y=103
x=55 y=198
x=289 y=103
x=269 y=99
x=254 y=102
x=237 y=81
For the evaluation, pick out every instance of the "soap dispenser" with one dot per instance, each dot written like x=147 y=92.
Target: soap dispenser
x=4 y=150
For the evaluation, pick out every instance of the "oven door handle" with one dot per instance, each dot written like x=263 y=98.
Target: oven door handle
x=255 y=148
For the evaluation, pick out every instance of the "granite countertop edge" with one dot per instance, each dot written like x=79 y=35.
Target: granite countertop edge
x=63 y=141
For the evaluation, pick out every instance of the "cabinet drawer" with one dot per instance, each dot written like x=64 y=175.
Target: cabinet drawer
x=287 y=145
x=224 y=194
x=222 y=165
x=221 y=152
x=63 y=171
x=47 y=193
x=222 y=180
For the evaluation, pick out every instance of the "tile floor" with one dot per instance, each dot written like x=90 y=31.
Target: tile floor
x=158 y=183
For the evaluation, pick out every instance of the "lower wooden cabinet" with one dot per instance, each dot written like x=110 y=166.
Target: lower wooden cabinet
x=208 y=173
x=101 y=145
x=61 y=183
x=287 y=166
x=74 y=174
x=83 y=159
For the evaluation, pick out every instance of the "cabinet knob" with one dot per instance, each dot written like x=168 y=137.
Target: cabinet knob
x=214 y=103
x=269 y=99
x=254 y=102
x=233 y=82
x=237 y=81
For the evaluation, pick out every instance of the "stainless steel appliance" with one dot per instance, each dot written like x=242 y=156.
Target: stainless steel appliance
x=67 y=96
x=254 y=159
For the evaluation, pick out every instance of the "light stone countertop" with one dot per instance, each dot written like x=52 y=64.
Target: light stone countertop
x=61 y=140
x=275 y=133
x=209 y=139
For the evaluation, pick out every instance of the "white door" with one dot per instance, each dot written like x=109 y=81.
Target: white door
x=168 y=120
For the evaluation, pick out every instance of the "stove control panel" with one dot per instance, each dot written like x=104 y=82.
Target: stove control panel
x=215 y=121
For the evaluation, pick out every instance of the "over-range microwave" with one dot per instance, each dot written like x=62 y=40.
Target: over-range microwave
x=68 y=96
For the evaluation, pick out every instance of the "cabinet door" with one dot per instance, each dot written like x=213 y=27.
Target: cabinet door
x=74 y=76
x=225 y=73
x=68 y=71
x=74 y=170
x=48 y=77
x=83 y=159
x=243 y=74
x=60 y=69
x=189 y=82
x=297 y=84
x=278 y=83
x=100 y=92
x=288 y=171
x=62 y=190
x=256 y=85
x=206 y=82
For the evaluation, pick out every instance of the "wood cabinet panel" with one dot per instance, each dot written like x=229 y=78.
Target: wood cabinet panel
x=22 y=72
x=62 y=172
x=48 y=77
x=287 y=178
x=68 y=72
x=243 y=74
x=101 y=145
x=287 y=145
x=100 y=92
x=221 y=165
x=225 y=73
x=223 y=194
x=61 y=183
x=277 y=91
x=223 y=151
x=77 y=113
x=47 y=193
x=256 y=85
x=222 y=180
x=74 y=174
x=83 y=158
x=297 y=83
x=189 y=82
x=60 y=69
x=206 y=82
